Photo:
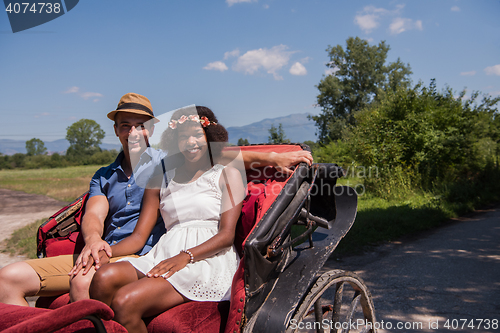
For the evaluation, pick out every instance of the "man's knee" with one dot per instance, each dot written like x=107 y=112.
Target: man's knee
x=18 y=278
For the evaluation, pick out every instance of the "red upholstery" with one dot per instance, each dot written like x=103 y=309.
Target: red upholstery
x=65 y=319
x=52 y=302
x=191 y=317
x=235 y=316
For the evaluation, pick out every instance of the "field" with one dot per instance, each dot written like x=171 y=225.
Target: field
x=64 y=184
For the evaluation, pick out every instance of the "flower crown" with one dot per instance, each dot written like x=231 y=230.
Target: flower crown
x=194 y=117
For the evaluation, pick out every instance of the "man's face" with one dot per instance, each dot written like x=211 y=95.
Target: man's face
x=133 y=130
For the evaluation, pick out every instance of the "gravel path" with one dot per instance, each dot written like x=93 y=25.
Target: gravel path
x=18 y=209
x=449 y=274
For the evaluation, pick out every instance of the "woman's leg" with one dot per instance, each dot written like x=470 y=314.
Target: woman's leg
x=110 y=278
x=144 y=298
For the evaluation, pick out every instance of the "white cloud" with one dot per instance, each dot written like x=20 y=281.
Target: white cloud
x=401 y=24
x=232 y=2
x=455 y=9
x=418 y=25
x=266 y=6
x=271 y=60
x=87 y=95
x=369 y=18
x=305 y=60
x=331 y=71
x=233 y=53
x=72 y=90
x=84 y=94
x=493 y=70
x=367 y=22
x=298 y=69
x=471 y=73
x=216 y=66
x=43 y=114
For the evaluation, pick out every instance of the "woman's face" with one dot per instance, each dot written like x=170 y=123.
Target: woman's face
x=192 y=142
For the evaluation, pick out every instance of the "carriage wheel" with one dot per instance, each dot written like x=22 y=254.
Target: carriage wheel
x=338 y=301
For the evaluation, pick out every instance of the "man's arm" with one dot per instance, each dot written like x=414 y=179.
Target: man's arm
x=96 y=210
x=282 y=161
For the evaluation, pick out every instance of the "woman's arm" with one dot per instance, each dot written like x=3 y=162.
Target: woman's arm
x=232 y=189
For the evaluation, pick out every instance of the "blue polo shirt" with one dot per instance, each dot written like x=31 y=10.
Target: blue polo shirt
x=125 y=202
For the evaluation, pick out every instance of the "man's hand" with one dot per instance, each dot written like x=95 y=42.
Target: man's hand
x=283 y=161
x=103 y=259
x=91 y=255
x=170 y=266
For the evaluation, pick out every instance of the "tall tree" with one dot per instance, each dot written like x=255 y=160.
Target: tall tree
x=35 y=147
x=84 y=137
x=277 y=135
x=358 y=77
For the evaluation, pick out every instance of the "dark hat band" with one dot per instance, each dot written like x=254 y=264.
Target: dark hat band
x=135 y=106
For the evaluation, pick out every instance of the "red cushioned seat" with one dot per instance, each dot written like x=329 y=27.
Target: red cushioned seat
x=191 y=317
x=68 y=318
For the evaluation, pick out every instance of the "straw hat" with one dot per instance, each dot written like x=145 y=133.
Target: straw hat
x=134 y=103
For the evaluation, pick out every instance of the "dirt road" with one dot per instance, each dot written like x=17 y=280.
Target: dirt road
x=18 y=209
x=451 y=273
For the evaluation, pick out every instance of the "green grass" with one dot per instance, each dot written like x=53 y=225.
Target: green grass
x=23 y=240
x=409 y=211
x=64 y=184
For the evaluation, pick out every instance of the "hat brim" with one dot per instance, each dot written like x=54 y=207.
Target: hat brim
x=112 y=114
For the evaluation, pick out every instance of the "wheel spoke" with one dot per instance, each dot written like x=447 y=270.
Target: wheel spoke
x=318 y=314
x=352 y=309
x=339 y=291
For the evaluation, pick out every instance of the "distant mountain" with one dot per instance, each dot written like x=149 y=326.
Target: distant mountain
x=11 y=147
x=296 y=126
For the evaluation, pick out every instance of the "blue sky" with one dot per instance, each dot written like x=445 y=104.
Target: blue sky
x=247 y=60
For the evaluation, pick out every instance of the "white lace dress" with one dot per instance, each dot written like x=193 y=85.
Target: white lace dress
x=191 y=213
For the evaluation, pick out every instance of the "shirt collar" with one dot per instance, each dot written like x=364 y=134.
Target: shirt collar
x=117 y=164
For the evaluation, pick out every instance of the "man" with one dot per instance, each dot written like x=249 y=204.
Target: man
x=111 y=212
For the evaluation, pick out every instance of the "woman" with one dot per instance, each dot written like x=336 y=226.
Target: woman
x=195 y=259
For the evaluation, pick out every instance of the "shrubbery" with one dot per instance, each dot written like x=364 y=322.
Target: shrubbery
x=422 y=139
x=56 y=160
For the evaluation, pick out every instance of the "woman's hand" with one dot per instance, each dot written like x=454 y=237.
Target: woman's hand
x=170 y=266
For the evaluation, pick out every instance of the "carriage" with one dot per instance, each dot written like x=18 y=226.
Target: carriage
x=289 y=226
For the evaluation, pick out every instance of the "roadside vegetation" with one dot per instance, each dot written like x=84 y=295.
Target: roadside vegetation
x=23 y=241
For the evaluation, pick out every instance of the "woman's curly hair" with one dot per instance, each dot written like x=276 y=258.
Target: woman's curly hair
x=213 y=133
